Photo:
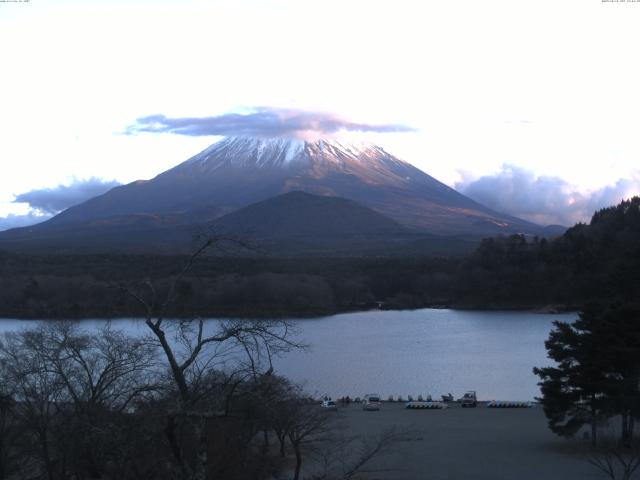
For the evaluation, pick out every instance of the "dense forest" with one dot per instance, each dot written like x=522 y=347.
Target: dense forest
x=598 y=260
x=91 y=286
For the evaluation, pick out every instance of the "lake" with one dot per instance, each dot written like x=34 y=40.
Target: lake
x=411 y=352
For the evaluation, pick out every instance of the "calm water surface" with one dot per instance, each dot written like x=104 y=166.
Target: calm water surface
x=410 y=352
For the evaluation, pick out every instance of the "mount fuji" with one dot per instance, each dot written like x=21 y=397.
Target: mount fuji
x=237 y=172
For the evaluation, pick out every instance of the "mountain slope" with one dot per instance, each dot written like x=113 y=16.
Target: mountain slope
x=299 y=214
x=239 y=171
x=298 y=223
x=292 y=224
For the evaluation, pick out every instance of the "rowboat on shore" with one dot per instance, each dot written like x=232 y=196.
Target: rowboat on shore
x=418 y=405
x=509 y=404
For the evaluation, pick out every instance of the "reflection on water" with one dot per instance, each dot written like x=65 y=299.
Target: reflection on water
x=410 y=352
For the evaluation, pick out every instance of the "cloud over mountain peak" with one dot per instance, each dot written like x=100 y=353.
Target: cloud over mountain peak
x=260 y=122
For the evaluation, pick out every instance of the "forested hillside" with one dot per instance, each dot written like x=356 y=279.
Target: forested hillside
x=596 y=261
x=589 y=262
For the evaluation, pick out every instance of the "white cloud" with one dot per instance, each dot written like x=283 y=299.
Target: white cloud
x=544 y=199
x=54 y=200
x=41 y=204
x=16 y=221
x=260 y=122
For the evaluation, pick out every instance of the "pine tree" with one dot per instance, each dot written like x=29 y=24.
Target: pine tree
x=598 y=370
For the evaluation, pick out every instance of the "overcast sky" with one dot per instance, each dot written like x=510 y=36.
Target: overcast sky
x=541 y=98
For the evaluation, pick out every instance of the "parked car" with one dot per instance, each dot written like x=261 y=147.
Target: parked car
x=469 y=399
x=371 y=402
x=329 y=404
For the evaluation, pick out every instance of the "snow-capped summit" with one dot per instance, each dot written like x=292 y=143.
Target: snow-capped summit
x=283 y=153
x=245 y=151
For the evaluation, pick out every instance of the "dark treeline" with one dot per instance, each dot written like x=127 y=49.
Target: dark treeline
x=81 y=286
x=599 y=260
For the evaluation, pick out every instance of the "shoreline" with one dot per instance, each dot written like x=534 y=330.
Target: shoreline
x=237 y=314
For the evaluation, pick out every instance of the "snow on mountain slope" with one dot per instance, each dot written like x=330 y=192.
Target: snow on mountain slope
x=282 y=153
x=249 y=151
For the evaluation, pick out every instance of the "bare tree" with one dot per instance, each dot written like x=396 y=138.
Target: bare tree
x=38 y=394
x=193 y=347
x=10 y=436
x=71 y=389
x=618 y=460
x=308 y=423
x=351 y=457
x=107 y=370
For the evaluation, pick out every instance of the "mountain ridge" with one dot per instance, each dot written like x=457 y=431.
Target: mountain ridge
x=238 y=171
x=278 y=226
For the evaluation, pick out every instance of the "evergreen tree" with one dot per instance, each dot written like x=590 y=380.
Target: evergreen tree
x=620 y=333
x=598 y=370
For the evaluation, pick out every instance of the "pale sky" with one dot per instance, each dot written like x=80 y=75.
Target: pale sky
x=549 y=88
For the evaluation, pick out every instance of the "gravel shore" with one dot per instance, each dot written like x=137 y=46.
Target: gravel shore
x=476 y=443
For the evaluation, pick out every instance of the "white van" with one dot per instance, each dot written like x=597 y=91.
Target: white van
x=469 y=400
x=371 y=402
x=329 y=404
